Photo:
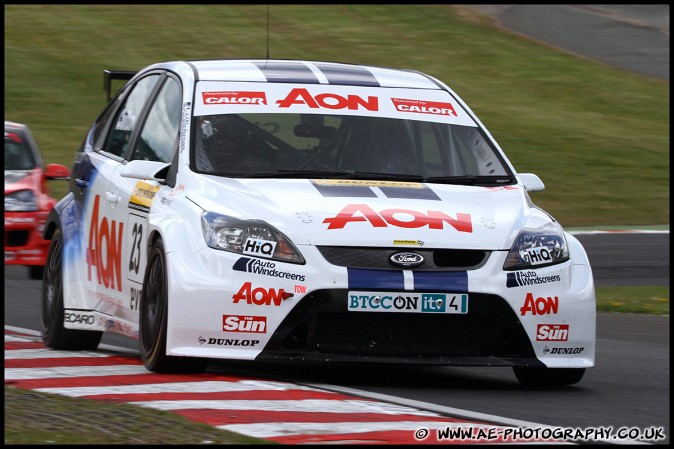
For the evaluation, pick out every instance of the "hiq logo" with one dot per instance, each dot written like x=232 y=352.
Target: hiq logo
x=539 y=255
x=259 y=247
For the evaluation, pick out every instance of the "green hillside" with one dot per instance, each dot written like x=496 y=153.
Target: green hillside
x=597 y=136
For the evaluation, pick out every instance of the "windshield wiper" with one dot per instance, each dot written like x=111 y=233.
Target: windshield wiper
x=381 y=176
x=295 y=174
x=472 y=180
x=488 y=181
x=333 y=174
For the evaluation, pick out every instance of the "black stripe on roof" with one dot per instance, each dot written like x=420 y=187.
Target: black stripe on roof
x=348 y=75
x=287 y=72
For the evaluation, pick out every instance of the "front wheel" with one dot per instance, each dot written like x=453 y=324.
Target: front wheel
x=153 y=319
x=54 y=335
x=547 y=377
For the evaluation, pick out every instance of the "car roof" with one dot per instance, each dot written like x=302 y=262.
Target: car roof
x=15 y=126
x=21 y=129
x=307 y=72
x=27 y=136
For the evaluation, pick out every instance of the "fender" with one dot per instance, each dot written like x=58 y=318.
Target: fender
x=53 y=220
x=178 y=232
x=67 y=216
x=576 y=250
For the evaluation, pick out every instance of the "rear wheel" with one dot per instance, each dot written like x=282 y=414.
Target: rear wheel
x=54 y=334
x=548 y=377
x=153 y=319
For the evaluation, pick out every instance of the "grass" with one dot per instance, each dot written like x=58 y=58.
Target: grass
x=651 y=300
x=597 y=136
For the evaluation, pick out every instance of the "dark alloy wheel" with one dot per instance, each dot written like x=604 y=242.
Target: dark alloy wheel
x=154 y=317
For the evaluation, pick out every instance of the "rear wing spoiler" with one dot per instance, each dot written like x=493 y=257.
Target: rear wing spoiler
x=110 y=75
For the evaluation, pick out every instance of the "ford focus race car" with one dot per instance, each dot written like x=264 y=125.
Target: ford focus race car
x=27 y=199
x=310 y=211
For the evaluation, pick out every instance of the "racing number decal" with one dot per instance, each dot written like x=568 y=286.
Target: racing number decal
x=136 y=241
x=134 y=258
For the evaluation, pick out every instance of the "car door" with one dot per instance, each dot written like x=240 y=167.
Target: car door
x=105 y=221
x=128 y=201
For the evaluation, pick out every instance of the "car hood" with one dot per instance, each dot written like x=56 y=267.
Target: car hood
x=375 y=213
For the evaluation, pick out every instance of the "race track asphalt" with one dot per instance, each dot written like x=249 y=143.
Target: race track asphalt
x=629 y=37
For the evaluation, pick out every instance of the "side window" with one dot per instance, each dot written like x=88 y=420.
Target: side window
x=102 y=121
x=160 y=132
x=18 y=155
x=126 y=118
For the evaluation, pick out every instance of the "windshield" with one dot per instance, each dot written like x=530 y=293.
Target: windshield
x=17 y=153
x=316 y=145
x=245 y=129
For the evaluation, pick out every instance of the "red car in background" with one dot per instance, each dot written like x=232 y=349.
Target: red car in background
x=27 y=200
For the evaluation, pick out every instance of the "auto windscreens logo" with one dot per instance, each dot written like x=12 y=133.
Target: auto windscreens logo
x=523 y=278
x=267 y=268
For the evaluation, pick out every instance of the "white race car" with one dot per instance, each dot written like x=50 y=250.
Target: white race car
x=310 y=211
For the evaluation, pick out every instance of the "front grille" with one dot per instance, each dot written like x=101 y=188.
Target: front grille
x=409 y=335
x=322 y=326
x=16 y=238
x=435 y=259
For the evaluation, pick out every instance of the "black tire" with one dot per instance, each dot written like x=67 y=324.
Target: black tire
x=547 y=377
x=35 y=272
x=54 y=335
x=153 y=319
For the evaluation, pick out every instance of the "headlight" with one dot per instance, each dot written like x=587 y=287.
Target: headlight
x=21 y=201
x=251 y=237
x=537 y=247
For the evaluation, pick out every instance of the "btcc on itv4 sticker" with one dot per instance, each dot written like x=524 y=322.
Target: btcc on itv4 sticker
x=410 y=302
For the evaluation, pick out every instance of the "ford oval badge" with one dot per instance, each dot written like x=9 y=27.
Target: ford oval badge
x=407 y=259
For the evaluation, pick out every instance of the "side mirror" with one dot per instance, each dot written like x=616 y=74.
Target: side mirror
x=153 y=170
x=56 y=171
x=531 y=182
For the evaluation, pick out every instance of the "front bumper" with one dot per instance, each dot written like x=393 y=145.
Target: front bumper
x=24 y=244
x=321 y=328
x=543 y=317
